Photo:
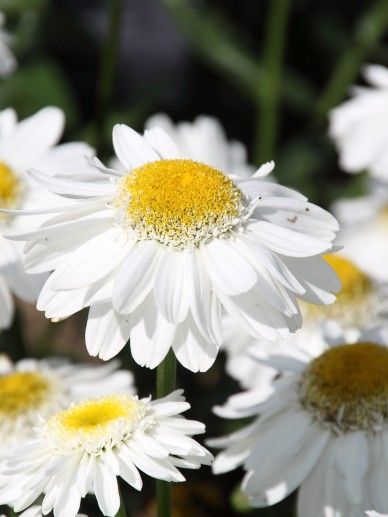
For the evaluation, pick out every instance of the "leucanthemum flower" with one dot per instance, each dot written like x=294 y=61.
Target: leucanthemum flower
x=85 y=447
x=31 y=389
x=324 y=429
x=156 y=252
x=8 y=61
x=361 y=303
x=29 y=143
x=364 y=229
x=358 y=126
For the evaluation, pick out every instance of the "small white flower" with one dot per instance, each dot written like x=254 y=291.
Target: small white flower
x=31 y=142
x=156 y=252
x=361 y=303
x=86 y=447
x=31 y=389
x=358 y=126
x=364 y=229
x=8 y=62
x=324 y=429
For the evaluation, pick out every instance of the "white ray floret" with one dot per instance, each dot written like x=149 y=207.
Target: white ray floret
x=86 y=447
x=323 y=428
x=31 y=389
x=158 y=251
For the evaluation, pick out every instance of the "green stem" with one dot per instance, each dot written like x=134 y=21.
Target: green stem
x=369 y=31
x=107 y=69
x=165 y=384
x=269 y=92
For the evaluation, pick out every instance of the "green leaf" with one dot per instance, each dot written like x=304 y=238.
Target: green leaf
x=34 y=86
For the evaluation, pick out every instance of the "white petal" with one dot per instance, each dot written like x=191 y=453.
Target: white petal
x=162 y=143
x=131 y=149
x=106 y=490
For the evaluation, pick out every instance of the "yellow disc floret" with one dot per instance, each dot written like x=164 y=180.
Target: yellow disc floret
x=348 y=386
x=21 y=392
x=178 y=201
x=95 y=424
x=9 y=186
x=354 y=303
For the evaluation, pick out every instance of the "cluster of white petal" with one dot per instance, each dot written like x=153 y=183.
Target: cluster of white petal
x=67 y=382
x=160 y=443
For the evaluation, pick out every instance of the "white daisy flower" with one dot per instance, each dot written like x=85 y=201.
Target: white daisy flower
x=324 y=429
x=85 y=447
x=204 y=140
x=157 y=251
x=364 y=229
x=361 y=303
x=358 y=126
x=31 y=389
x=8 y=61
x=26 y=144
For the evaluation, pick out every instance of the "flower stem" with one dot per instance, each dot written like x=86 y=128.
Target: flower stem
x=107 y=69
x=269 y=83
x=165 y=384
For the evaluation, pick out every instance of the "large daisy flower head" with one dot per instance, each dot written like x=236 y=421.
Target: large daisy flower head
x=358 y=126
x=32 y=389
x=323 y=428
x=156 y=251
x=29 y=143
x=204 y=140
x=85 y=447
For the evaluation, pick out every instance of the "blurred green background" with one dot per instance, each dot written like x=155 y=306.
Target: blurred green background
x=269 y=70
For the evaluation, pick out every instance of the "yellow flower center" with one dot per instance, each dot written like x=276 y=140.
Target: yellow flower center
x=353 y=303
x=9 y=186
x=348 y=386
x=21 y=392
x=178 y=201
x=93 y=425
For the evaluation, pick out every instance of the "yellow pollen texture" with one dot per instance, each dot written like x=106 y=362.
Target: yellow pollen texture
x=21 y=391
x=9 y=186
x=177 y=197
x=348 y=384
x=93 y=415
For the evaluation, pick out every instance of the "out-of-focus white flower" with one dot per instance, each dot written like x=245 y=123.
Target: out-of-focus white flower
x=30 y=143
x=204 y=140
x=31 y=389
x=157 y=251
x=361 y=303
x=359 y=128
x=364 y=229
x=372 y=513
x=85 y=447
x=323 y=428
x=8 y=61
